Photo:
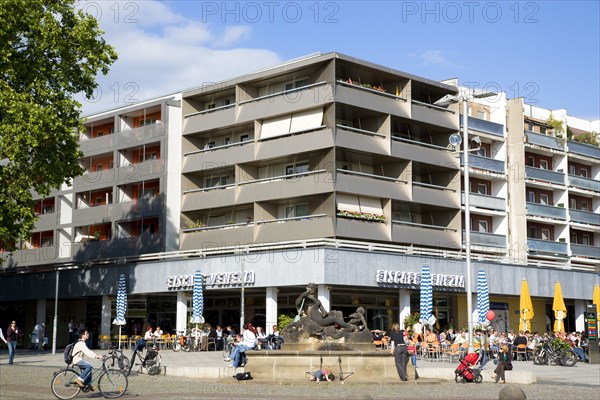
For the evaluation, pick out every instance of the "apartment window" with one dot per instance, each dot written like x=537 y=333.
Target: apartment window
x=545 y=234
x=544 y=199
x=583 y=172
x=227 y=140
x=480 y=114
x=583 y=205
x=99 y=134
x=571 y=170
x=296 y=210
x=227 y=102
x=151 y=156
x=482 y=188
x=573 y=237
x=47 y=241
x=211 y=106
x=530 y=161
x=244 y=138
x=216 y=181
x=482 y=151
x=296 y=84
x=147 y=193
x=147 y=121
x=533 y=232
x=483 y=226
x=211 y=145
x=585 y=239
x=544 y=164
x=98 y=167
x=296 y=168
x=531 y=196
x=573 y=204
x=543 y=130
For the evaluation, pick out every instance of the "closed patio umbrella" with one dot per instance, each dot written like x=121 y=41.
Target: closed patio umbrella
x=121 y=305
x=559 y=308
x=526 y=307
x=198 y=299
x=426 y=298
x=483 y=296
x=596 y=297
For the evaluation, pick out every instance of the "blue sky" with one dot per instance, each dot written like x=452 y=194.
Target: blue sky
x=545 y=51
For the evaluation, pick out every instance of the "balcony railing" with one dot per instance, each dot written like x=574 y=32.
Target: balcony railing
x=585 y=250
x=584 y=217
x=431 y=106
x=435 y=187
x=541 y=174
x=418 y=143
x=485 y=201
x=211 y=110
x=488 y=164
x=298 y=89
x=541 y=210
x=484 y=126
x=584 y=149
x=544 y=140
x=282 y=177
x=369 y=90
x=374 y=176
x=584 y=183
x=485 y=239
x=546 y=246
x=361 y=131
x=424 y=226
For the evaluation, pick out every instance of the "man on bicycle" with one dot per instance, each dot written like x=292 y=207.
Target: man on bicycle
x=79 y=352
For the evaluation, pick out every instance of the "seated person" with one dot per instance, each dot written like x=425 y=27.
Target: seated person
x=261 y=338
x=275 y=339
x=322 y=375
x=247 y=342
x=148 y=336
x=220 y=335
x=462 y=340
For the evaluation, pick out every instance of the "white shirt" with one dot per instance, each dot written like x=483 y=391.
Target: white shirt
x=148 y=335
x=249 y=339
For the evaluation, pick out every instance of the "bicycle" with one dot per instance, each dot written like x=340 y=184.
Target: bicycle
x=151 y=361
x=112 y=383
x=228 y=345
x=117 y=360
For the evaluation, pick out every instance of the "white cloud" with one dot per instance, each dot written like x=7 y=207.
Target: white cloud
x=162 y=52
x=435 y=58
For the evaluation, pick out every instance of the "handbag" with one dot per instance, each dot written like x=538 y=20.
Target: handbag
x=411 y=350
x=297 y=317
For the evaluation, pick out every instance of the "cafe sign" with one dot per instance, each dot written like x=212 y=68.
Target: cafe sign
x=414 y=278
x=184 y=282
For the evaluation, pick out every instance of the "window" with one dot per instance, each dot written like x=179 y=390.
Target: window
x=147 y=193
x=148 y=228
x=573 y=237
x=543 y=199
x=531 y=196
x=583 y=172
x=482 y=188
x=210 y=106
x=98 y=201
x=585 y=239
x=99 y=134
x=545 y=234
x=571 y=170
x=47 y=241
x=482 y=151
x=481 y=114
x=227 y=102
x=298 y=168
x=151 y=156
x=98 y=167
x=211 y=145
x=543 y=130
x=573 y=204
x=216 y=181
x=296 y=84
x=483 y=226
x=296 y=210
x=244 y=138
x=532 y=232
x=147 y=121
x=583 y=205
x=227 y=140
x=530 y=161
x=544 y=164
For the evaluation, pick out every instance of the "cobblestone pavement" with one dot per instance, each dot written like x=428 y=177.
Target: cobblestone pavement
x=23 y=382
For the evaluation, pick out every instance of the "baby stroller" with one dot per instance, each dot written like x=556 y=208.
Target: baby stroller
x=465 y=372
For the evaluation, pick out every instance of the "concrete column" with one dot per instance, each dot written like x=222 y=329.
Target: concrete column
x=181 y=323
x=580 y=307
x=404 y=303
x=41 y=312
x=324 y=296
x=271 y=311
x=105 y=317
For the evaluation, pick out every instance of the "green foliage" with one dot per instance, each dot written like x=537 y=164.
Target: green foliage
x=558 y=129
x=284 y=320
x=48 y=53
x=587 y=138
x=410 y=320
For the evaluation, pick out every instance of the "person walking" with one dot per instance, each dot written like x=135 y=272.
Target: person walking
x=400 y=350
x=504 y=364
x=12 y=336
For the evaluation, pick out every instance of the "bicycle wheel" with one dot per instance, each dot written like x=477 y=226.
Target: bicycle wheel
x=176 y=345
x=153 y=366
x=568 y=359
x=117 y=362
x=63 y=384
x=113 y=383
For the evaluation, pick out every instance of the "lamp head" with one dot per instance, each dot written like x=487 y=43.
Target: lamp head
x=455 y=139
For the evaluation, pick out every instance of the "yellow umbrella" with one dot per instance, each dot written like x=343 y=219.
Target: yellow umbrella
x=526 y=307
x=559 y=308
x=596 y=297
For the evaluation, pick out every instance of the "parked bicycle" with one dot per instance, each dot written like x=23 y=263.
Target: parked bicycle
x=112 y=383
x=187 y=343
x=556 y=352
x=228 y=345
x=151 y=361
x=117 y=360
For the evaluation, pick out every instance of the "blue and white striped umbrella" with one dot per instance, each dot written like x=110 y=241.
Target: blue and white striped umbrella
x=198 y=299
x=121 y=302
x=426 y=297
x=483 y=296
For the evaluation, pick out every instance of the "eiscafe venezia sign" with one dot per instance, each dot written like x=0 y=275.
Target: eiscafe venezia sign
x=178 y=282
x=414 y=278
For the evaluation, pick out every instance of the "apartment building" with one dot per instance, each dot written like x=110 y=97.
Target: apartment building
x=325 y=169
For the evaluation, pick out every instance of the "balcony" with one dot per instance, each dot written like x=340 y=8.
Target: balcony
x=539 y=139
x=122 y=247
x=360 y=139
x=217 y=236
x=217 y=157
x=484 y=201
x=582 y=250
x=422 y=152
x=432 y=114
x=213 y=197
x=49 y=220
x=137 y=136
x=32 y=257
x=425 y=235
x=140 y=171
x=137 y=207
x=541 y=210
x=99 y=143
x=359 y=96
x=362 y=229
x=485 y=126
x=540 y=174
x=92 y=214
x=301 y=142
x=371 y=185
x=486 y=239
x=584 y=149
x=443 y=196
x=583 y=183
x=296 y=228
x=207 y=120
x=546 y=246
x=484 y=163
x=584 y=217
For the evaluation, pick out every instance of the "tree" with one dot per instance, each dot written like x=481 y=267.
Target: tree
x=48 y=53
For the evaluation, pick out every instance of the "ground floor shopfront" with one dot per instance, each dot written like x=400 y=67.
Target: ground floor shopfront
x=386 y=285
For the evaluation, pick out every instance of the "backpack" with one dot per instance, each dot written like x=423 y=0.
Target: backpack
x=68 y=353
x=243 y=376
